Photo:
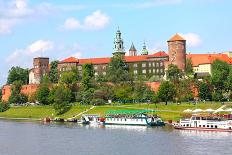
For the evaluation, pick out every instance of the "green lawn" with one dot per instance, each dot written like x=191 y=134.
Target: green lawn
x=170 y=112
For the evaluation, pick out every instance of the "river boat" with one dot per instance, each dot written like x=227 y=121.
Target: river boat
x=73 y=119
x=132 y=117
x=204 y=122
x=84 y=120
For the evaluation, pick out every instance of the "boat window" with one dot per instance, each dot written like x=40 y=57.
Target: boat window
x=125 y=119
x=211 y=126
x=197 y=118
x=194 y=118
x=199 y=125
x=184 y=125
x=137 y=120
x=230 y=128
x=207 y=126
x=215 y=126
x=141 y=120
x=203 y=118
x=203 y=125
x=187 y=124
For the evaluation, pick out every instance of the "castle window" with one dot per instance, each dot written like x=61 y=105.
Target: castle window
x=95 y=67
x=144 y=65
x=161 y=64
x=149 y=64
x=149 y=70
x=95 y=73
x=157 y=64
x=135 y=71
x=104 y=73
x=135 y=65
x=103 y=67
x=144 y=71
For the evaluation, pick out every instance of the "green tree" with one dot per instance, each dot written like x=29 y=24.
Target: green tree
x=4 y=106
x=117 y=70
x=184 y=90
x=166 y=92
x=173 y=73
x=16 y=95
x=220 y=73
x=62 y=98
x=53 y=74
x=189 y=67
x=42 y=93
x=87 y=80
x=205 y=91
x=1 y=93
x=68 y=78
x=18 y=74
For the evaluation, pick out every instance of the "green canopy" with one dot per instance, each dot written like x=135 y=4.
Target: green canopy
x=127 y=112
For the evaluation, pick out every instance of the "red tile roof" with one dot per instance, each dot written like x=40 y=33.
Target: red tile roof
x=160 y=54
x=198 y=59
x=107 y=59
x=176 y=37
x=70 y=60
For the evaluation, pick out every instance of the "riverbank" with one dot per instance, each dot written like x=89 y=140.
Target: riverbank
x=167 y=112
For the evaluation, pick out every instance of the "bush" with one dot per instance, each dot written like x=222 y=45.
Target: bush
x=98 y=101
x=4 y=106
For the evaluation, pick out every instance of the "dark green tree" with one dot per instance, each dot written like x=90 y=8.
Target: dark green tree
x=53 y=74
x=220 y=73
x=166 y=92
x=68 y=78
x=1 y=94
x=117 y=70
x=205 y=91
x=62 y=99
x=16 y=95
x=87 y=80
x=184 y=91
x=18 y=74
x=173 y=73
x=42 y=93
x=189 y=67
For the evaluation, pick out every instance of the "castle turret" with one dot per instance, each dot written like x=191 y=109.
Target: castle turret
x=132 y=50
x=144 y=50
x=177 y=51
x=118 y=44
x=41 y=68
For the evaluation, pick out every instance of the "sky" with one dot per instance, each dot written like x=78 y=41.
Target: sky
x=86 y=28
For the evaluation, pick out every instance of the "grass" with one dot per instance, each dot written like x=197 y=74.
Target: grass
x=169 y=112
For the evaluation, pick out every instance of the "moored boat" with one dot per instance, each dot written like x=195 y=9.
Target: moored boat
x=204 y=123
x=132 y=117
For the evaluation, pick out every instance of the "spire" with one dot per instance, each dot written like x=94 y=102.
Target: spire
x=144 y=51
x=132 y=50
x=118 y=44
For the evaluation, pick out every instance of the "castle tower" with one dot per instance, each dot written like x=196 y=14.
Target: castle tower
x=132 y=50
x=118 y=44
x=41 y=68
x=177 y=51
x=144 y=50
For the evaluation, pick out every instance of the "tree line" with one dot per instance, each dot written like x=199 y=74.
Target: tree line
x=119 y=85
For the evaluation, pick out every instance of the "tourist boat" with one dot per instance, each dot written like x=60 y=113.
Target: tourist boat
x=84 y=120
x=204 y=122
x=132 y=117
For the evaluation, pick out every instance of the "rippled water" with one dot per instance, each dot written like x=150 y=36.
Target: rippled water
x=34 y=138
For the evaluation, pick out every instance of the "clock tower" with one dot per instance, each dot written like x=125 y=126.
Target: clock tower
x=177 y=51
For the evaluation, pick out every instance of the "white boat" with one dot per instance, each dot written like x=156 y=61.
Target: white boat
x=204 y=123
x=132 y=117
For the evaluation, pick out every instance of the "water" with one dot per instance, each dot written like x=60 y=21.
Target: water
x=35 y=138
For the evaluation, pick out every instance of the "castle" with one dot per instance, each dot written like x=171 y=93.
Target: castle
x=145 y=64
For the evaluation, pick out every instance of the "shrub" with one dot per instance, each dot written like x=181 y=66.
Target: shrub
x=4 y=106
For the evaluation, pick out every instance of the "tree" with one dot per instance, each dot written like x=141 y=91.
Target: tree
x=87 y=77
x=123 y=92
x=166 y=92
x=18 y=74
x=43 y=94
x=173 y=73
x=117 y=70
x=16 y=95
x=4 y=106
x=184 y=90
x=62 y=98
x=220 y=73
x=53 y=74
x=189 y=67
x=204 y=91
x=1 y=93
x=68 y=78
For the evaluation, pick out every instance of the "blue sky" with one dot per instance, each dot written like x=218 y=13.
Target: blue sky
x=86 y=28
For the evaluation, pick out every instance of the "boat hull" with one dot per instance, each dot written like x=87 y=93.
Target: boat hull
x=203 y=129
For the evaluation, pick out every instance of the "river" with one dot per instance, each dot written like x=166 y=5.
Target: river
x=35 y=138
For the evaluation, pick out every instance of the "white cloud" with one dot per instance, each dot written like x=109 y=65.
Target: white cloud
x=97 y=20
x=71 y=24
x=40 y=46
x=77 y=54
x=15 y=12
x=192 y=39
x=37 y=48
